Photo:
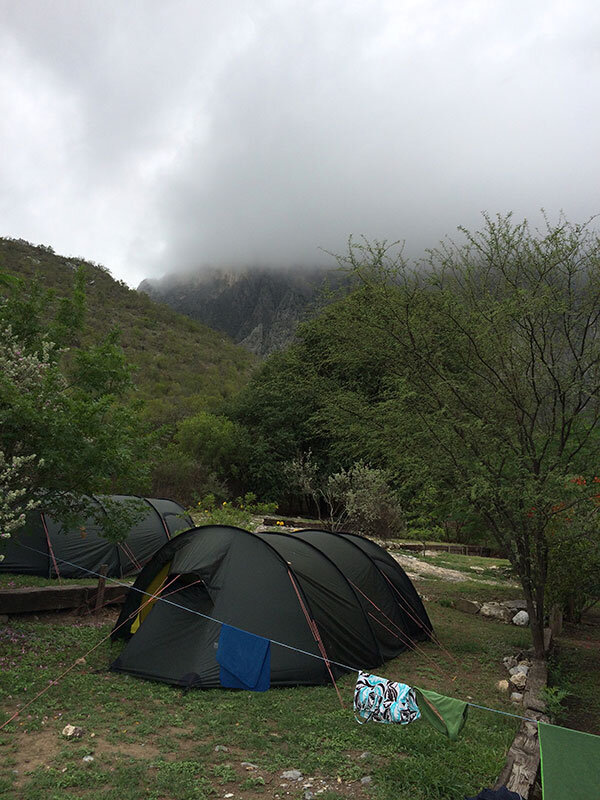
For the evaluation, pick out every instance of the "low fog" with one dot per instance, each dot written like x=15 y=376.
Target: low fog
x=159 y=137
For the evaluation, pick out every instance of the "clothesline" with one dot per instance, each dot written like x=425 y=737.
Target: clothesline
x=273 y=641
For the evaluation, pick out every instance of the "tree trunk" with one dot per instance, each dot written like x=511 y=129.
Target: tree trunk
x=537 y=629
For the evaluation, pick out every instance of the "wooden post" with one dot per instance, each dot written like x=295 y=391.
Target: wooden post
x=556 y=620
x=101 y=587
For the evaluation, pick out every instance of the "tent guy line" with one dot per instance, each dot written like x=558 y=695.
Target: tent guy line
x=198 y=613
x=273 y=641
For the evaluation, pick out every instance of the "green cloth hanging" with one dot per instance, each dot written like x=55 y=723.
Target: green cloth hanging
x=446 y=714
x=570 y=763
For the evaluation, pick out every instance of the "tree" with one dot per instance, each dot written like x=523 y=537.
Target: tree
x=68 y=425
x=493 y=378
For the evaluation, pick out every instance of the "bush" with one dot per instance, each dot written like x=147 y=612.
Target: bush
x=361 y=500
x=239 y=513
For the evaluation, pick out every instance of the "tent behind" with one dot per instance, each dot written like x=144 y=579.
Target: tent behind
x=274 y=585
x=44 y=547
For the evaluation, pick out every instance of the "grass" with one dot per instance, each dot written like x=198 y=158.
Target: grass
x=437 y=590
x=480 y=565
x=573 y=674
x=154 y=741
x=10 y=581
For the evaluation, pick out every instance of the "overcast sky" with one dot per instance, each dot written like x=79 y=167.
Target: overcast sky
x=158 y=135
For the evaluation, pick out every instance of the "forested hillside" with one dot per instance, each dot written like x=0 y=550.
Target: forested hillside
x=180 y=366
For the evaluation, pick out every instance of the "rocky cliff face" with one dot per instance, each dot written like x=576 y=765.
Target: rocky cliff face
x=258 y=308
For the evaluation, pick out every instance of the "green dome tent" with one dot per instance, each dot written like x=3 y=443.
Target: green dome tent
x=44 y=547
x=288 y=588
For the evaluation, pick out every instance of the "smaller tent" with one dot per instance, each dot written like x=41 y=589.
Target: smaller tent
x=44 y=547
x=318 y=594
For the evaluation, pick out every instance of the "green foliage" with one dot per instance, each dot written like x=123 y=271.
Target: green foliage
x=473 y=380
x=574 y=559
x=179 y=367
x=66 y=428
x=241 y=512
x=360 y=499
x=554 y=698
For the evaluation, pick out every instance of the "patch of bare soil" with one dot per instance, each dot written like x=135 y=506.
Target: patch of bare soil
x=33 y=750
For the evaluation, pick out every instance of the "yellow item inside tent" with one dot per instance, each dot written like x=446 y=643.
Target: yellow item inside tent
x=152 y=587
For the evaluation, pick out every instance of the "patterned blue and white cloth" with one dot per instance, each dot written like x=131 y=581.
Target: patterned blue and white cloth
x=380 y=700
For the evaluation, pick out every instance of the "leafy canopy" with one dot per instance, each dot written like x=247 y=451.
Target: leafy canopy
x=68 y=424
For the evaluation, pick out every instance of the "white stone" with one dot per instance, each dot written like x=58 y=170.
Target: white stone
x=88 y=759
x=521 y=618
x=495 y=611
x=72 y=732
x=292 y=775
x=524 y=668
x=516 y=697
x=502 y=686
x=519 y=680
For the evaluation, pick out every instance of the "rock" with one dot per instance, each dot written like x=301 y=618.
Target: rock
x=502 y=686
x=249 y=765
x=519 y=668
x=365 y=755
x=308 y=795
x=519 y=680
x=477 y=569
x=367 y=779
x=88 y=759
x=220 y=748
x=72 y=732
x=509 y=662
x=521 y=618
x=228 y=795
x=496 y=611
x=467 y=606
x=292 y=775
x=516 y=697
x=515 y=605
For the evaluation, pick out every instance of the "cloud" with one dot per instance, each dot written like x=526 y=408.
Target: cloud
x=156 y=136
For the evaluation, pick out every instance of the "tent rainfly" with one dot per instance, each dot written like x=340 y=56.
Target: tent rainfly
x=339 y=588
x=43 y=546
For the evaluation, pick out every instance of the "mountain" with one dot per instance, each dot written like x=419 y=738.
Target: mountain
x=181 y=366
x=259 y=308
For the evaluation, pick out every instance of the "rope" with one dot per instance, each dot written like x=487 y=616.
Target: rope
x=400 y=633
x=130 y=554
x=426 y=655
x=78 y=660
x=198 y=613
x=315 y=632
x=220 y=622
x=432 y=635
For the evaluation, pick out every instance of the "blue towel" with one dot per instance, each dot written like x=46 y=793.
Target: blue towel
x=245 y=660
